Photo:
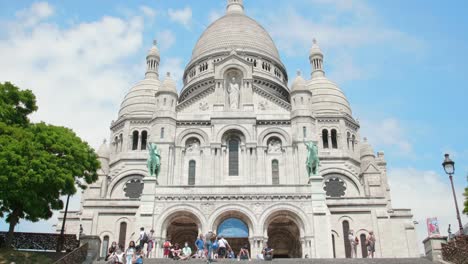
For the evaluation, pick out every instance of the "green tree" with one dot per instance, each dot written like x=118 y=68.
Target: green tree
x=40 y=162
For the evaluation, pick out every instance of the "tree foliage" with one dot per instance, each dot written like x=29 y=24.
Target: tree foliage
x=15 y=104
x=40 y=162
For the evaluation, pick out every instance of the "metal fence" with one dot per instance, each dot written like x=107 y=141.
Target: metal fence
x=40 y=241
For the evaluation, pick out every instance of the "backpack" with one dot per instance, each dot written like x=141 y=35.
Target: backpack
x=145 y=238
x=215 y=245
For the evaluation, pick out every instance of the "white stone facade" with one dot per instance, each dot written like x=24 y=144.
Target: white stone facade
x=242 y=155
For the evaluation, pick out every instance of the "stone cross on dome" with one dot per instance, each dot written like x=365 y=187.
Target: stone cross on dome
x=235 y=6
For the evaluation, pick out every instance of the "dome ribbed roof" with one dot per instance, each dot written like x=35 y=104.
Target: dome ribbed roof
x=327 y=97
x=235 y=31
x=299 y=83
x=140 y=100
x=103 y=151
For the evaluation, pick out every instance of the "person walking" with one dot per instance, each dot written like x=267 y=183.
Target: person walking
x=200 y=245
x=143 y=238
x=151 y=242
x=209 y=245
x=370 y=244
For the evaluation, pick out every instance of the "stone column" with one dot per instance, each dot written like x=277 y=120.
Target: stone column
x=433 y=247
x=321 y=246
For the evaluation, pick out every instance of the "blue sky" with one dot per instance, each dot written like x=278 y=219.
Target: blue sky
x=402 y=65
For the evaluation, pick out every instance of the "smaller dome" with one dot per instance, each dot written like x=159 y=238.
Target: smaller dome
x=366 y=149
x=140 y=101
x=315 y=50
x=327 y=97
x=154 y=51
x=103 y=151
x=169 y=85
x=299 y=83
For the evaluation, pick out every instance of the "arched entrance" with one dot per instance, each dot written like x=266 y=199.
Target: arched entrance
x=235 y=227
x=284 y=235
x=236 y=233
x=183 y=227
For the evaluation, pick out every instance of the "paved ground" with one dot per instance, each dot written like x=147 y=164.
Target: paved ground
x=300 y=261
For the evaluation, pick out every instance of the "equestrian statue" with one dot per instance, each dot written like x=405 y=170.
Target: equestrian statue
x=312 y=162
x=154 y=160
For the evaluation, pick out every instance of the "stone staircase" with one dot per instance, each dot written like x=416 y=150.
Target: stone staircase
x=299 y=261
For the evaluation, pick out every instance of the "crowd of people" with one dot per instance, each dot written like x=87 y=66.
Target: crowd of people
x=133 y=254
x=208 y=247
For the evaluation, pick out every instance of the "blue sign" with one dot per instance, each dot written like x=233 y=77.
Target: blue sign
x=233 y=228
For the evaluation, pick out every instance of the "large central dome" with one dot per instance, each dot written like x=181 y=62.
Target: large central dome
x=235 y=31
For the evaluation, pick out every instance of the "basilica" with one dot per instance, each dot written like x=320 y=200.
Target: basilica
x=233 y=145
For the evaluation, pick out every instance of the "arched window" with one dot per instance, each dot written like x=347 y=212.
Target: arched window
x=353 y=141
x=116 y=143
x=233 y=157
x=105 y=246
x=348 y=138
x=363 y=245
x=304 y=132
x=325 y=138
x=191 y=172
x=347 y=245
x=135 y=140
x=144 y=139
x=162 y=132
x=120 y=142
x=122 y=233
x=334 y=140
x=333 y=246
x=274 y=172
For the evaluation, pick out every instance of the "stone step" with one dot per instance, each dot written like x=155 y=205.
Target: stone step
x=299 y=261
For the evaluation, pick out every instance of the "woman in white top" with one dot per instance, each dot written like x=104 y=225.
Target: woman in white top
x=130 y=251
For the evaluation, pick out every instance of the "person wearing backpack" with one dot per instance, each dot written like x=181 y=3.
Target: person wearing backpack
x=143 y=238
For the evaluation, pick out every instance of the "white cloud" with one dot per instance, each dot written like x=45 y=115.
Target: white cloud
x=182 y=16
x=166 y=39
x=79 y=74
x=148 y=11
x=387 y=132
x=428 y=194
x=175 y=67
x=35 y=13
x=341 y=27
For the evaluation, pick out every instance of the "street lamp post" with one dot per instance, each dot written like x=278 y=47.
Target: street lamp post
x=61 y=238
x=449 y=167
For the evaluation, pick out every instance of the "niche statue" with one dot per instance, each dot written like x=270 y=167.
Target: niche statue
x=312 y=162
x=233 y=91
x=154 y=160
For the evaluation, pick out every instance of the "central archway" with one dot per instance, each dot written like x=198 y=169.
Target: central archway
x=236 y=227
x=235 y=231
x=284 y=235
